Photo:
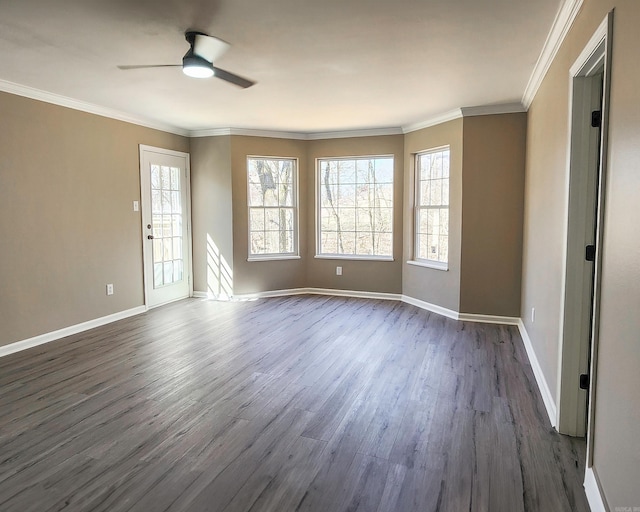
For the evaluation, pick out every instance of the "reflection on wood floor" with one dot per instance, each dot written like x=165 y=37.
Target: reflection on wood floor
x=302 y=403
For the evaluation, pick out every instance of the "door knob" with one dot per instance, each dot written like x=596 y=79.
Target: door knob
x=150 y=237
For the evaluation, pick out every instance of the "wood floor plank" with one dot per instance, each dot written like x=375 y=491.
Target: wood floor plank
x=302 y=403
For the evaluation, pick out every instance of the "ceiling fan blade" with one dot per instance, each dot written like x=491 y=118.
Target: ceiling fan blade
x=232 y=78
x=145 y=66
x=208 y=47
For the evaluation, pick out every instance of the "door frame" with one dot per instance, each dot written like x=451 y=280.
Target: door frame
x=147 y=280
x=572 y=402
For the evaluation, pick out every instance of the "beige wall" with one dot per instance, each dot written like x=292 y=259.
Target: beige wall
x=492 y=213
x=212 y=214
x=438 y=287
x=361 y=275
x=258 y=276
x=617 y=397
x=67 y=183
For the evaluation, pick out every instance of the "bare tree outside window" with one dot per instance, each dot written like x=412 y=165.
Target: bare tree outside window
x=356 y=206
x=272 y=206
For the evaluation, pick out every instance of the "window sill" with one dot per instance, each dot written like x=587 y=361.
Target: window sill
x=273 y=258
x=352 y=257
x=430 y=264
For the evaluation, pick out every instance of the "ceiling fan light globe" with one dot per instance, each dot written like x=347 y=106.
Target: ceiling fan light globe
x=197 y=72
x=196 y=67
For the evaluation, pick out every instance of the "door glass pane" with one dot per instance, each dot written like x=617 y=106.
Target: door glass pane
x=157 y=275
x=166 y=204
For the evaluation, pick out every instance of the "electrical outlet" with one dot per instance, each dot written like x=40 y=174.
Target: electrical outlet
x=533 y=315
x=110 y=289
x=338 y=271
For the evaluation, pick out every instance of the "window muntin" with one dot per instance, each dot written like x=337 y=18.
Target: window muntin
x=355 y=207
x=273 y=207
x=432 y=206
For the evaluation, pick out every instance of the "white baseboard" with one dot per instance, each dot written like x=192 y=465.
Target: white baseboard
x=434 y=308
x=314 y=291
x=68 y=331
x=547 y=396
x=354 y=294
x=489 y=319
x=592 y=490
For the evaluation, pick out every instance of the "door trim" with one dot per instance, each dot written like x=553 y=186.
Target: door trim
x=595 y=56
x=142 y=148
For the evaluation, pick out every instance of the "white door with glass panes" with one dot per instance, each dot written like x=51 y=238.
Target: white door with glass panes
x=164 y=181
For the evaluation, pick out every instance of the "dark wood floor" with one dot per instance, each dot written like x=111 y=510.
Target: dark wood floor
x=304 y=403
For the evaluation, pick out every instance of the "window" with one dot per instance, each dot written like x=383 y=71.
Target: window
x=432 y=207
x=273 y=207
x=355 y=207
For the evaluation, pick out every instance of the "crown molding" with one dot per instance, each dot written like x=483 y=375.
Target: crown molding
x=561 y=25
x=433 y=121
x=64 y=101
x=275 y=134
x=344 y=134
x=213 y=132
x=487 y=110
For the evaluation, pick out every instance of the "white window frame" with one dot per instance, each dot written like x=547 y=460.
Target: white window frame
x=318 y=223
x=296 y=247
x=425 y=262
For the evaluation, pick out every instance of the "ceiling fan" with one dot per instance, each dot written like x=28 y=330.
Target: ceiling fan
x=198 y=61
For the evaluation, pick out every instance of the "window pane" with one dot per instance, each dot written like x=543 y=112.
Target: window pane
x=444 y=221
x=384 y=220
x=286 y=219
x=256 y=219
x=175 y=178
x=384 y=170
x=329 y=242
x=366 y=243
x=444 y=248
x=155 y=177
x=272 y=242
x=166 y=226
x=385 y=243
x=178 y=270
x=177 y=247
x=157 y=250
x=165 y=178
x=346 y=172
x=168 y=272
x=328 y=221
x=384 y=194
x=166 y=201
x=348 y=242
x=286 y=242
x=257 y=243
x=364 y=219
x=157 y=275
x=347 y=196
x=156 y=201
x=255 y=195
x=436 y=192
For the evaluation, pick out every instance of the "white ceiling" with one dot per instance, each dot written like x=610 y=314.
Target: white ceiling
x=321 y=65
